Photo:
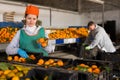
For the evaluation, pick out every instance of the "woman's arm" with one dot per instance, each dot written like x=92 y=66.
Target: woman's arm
x=13 y=47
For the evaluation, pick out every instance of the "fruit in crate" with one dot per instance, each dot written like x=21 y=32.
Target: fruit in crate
x=16 y=58
x=21 y=59
x=94 y=66
x=50 y=62
x=32 y=57
x=12 y=71
x=86 y=68
x=9 y=58
x=7 y=33
x=69 y=33
x=40 y=62
x=43 y=42
x=96 y=71
x=60 y=63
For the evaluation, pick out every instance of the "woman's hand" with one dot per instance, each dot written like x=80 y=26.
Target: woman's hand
x=39 y=46
x=22 y=53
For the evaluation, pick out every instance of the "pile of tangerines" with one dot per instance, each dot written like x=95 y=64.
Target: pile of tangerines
x=69 y=33
x=86 y=68
x=20 y=59
x=7 y=33
x=41 y=62
x=50 y=62
x=43 y=42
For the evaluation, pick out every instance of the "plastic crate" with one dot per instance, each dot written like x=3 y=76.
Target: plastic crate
x=113 y=57
x=116 y=75
x=66 y=62
x=4 y=56
x=41 y=73
x=89 y=76
x=34 y=62
x=104 y=75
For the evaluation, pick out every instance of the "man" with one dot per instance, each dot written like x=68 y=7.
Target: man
x=99 y=38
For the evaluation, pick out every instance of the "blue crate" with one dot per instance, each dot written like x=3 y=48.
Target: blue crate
x=59 y=41
x=11 y=24
x=77 y=26
x=78 y=40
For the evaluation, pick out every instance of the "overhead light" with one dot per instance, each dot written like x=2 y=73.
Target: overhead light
x=97 y=1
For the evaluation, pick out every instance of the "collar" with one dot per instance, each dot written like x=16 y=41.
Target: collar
x=31 y=30
x=96 y=26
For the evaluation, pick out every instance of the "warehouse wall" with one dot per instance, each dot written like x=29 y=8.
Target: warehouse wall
x=114 y=15
x=62 y=19
x=108 y=15
x=59 y=18
x=19 y=13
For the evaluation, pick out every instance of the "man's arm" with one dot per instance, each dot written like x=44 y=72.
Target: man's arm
x=97 y=39
x=87 y=41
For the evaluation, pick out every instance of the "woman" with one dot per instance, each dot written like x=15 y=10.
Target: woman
x=25 y=39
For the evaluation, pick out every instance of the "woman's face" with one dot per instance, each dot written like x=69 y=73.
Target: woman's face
x=31 y=20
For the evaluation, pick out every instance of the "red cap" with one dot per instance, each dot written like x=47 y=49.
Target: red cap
x=32 y=10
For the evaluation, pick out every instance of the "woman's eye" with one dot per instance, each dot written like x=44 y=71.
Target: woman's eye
x=34 y=18
x=29 y=18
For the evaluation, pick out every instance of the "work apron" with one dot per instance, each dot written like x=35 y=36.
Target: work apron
x=29 y=43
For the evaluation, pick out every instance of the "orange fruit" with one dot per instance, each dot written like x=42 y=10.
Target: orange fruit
x=94 y=66
x=54 y=64
x=32 y=57
x=72 y=29
x=86 y=66
x=21 y=59
x=15 y=78
x=51 y=61
x=44 y=44
x=96 y=71
x=6 y=33
x=1 y=72
x=16 y=58
x=47 y=63
x=68 y=33
x=60 y=63
x=6 y=72
x=15 y=70
x=9 y=58
x=40 y=62
x=89 y=70
x=75 y=68
x=82 y=65
x=41 y=40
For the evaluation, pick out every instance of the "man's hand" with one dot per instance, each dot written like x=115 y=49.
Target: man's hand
x=84 y=44
x=87 y=48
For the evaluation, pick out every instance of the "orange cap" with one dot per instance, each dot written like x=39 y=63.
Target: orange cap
x=32 y=10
